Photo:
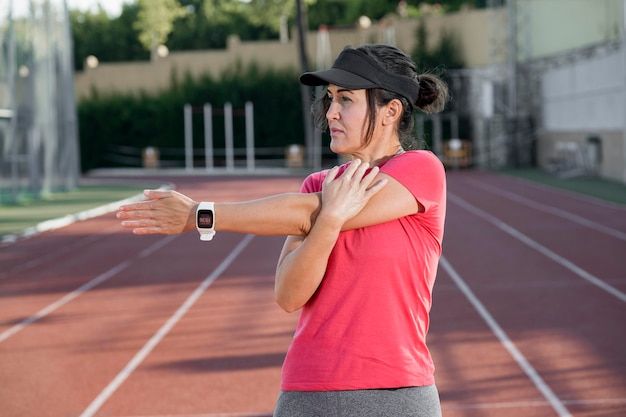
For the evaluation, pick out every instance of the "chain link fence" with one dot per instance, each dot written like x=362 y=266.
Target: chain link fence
x=38 y=123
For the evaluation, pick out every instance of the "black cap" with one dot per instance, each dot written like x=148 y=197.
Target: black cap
x=356 y=70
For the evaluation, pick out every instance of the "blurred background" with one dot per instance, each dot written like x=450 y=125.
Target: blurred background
x=207 y=85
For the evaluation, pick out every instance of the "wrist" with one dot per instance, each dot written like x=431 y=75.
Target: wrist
x=191 y=218
x=328 y=223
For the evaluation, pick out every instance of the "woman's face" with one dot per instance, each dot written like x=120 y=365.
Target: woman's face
x=347 y=119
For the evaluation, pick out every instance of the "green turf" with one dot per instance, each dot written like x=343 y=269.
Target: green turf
x=15 y=218
x=593 y=186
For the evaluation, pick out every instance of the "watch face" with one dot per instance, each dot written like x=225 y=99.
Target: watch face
x=205 y=219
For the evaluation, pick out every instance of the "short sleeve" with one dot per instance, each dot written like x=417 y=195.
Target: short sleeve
x=422 y=173
x=313 y=182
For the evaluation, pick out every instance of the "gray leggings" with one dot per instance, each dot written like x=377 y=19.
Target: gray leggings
x=401 y=402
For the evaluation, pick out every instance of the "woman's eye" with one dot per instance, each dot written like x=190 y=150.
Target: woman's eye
x=340 y=98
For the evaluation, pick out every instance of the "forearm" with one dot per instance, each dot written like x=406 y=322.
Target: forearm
x=302 y=267
x=283 y=214
x=169 y=212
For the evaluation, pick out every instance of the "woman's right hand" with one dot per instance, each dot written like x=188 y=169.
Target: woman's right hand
x=165 y=212
x=344 y=196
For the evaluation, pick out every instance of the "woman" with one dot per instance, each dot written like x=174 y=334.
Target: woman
x=363 y=244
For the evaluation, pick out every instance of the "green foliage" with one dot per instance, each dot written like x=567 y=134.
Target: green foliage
x=155 y=21
x=144 y=120
x=256 y=13
x=108 y=39
x=445 y=56
x=338 y=12
x=206 y=24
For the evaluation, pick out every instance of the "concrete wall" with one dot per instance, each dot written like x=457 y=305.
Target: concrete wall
x=553 y=26
x=585 y=99
x=469 y=27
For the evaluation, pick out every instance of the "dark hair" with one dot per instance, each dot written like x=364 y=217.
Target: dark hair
x=433 y=94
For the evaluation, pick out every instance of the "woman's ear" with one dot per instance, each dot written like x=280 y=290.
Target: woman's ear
x=393 y=112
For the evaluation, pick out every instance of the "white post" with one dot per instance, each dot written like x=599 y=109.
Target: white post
x=208 y=136
x=250 y=135
x=188 y=138
x=228 y=132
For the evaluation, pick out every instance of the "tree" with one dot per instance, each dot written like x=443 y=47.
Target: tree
x=155 y=22
x=446 y=55
x=255 y=12
x=95 y=33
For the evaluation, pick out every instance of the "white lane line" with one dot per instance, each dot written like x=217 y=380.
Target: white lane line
x=82 y=289
x=63 y=221
x=445 y=406
x=545 y=390
x=525 y=404
x=538 y=247
x=266 y=414
x=552 y=210
x=110 y=389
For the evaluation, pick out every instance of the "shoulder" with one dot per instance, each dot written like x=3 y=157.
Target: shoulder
x=421 y=172
x=416 y=161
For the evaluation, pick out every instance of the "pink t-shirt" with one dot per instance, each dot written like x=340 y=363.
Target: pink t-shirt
x=366 y=325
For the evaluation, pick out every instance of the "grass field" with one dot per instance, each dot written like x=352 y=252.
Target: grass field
x=15 y=219
x=597 y=187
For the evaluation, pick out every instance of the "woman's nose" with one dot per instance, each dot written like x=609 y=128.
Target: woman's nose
x=332 y=112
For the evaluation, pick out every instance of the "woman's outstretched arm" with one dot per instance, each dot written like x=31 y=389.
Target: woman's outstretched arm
x=170 y=212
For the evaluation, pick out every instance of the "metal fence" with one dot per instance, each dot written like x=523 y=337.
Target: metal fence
x=38 y=123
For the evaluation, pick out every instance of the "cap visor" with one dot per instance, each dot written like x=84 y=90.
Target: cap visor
x=336 y=76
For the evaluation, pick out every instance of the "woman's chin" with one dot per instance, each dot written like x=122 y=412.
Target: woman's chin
x=336 y=148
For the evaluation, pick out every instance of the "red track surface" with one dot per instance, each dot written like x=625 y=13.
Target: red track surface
x=528 y=318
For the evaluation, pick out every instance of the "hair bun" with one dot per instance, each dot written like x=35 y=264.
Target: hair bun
x=433 y=93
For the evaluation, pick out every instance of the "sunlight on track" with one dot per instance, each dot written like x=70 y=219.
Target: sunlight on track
x=545 y=390
x=538 y=247
x=50 y=256
x=95 y=405
x=551 y=210
x=82 y=289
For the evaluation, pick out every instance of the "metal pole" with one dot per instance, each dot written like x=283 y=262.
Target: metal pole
x=11 y=111
x=208 y=136
x=511 y=109
x=437 y=140
x=250 y=135
x=305 y=91
x=188 y=138
x=624 y=72
x=228 y=132
x=419 y=128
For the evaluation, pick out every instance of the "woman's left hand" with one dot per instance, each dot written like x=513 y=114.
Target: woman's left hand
x=345 y=196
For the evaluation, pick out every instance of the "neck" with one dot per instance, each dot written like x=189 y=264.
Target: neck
x=379 y=158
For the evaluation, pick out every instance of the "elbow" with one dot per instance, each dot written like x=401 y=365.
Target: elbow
x=288 y=304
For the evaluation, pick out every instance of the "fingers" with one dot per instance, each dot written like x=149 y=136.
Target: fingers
x=357 y=173
x=158 y=194
x=152 y=195
x=374 y=189
x=331 y=175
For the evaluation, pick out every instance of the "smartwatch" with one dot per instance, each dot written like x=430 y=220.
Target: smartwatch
x=205 y=220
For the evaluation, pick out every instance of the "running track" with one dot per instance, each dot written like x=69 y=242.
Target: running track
x=529 y=315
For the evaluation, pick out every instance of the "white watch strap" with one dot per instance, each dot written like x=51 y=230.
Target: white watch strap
x=206 y=233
